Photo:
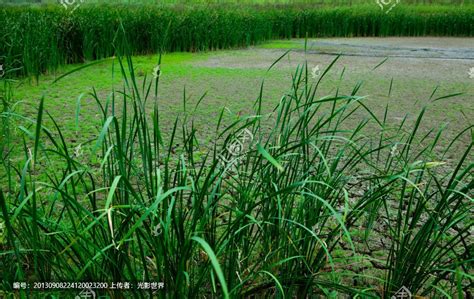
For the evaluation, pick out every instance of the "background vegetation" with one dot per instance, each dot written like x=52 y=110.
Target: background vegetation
x=39 y=39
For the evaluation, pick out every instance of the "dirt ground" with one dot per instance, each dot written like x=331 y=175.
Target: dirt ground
x=412 y=69
x=417 y=67
x=420 y=47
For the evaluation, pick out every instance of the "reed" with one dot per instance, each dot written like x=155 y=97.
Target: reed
x=278 y=219
x=40 y=38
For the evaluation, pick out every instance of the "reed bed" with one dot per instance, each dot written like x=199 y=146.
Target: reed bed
x=292 y=215
x=39 y=39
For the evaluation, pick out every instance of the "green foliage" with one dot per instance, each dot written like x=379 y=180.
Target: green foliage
x=136 y=206
x=39 y=39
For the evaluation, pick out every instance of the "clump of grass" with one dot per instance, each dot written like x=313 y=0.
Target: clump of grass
x=39 y=39
x=278 y=220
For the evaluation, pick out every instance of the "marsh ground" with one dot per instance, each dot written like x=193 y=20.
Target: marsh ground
x=405 y=81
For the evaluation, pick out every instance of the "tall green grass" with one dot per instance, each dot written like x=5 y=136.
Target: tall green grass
x=39 y=39
x=282 y=220
x=312 y=2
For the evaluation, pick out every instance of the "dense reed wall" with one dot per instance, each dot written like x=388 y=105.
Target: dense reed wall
x=38 y=39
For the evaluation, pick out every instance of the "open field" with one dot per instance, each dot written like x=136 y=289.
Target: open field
x=237 y=149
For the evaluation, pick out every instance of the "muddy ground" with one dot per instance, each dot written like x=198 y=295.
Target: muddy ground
x=412 y=69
